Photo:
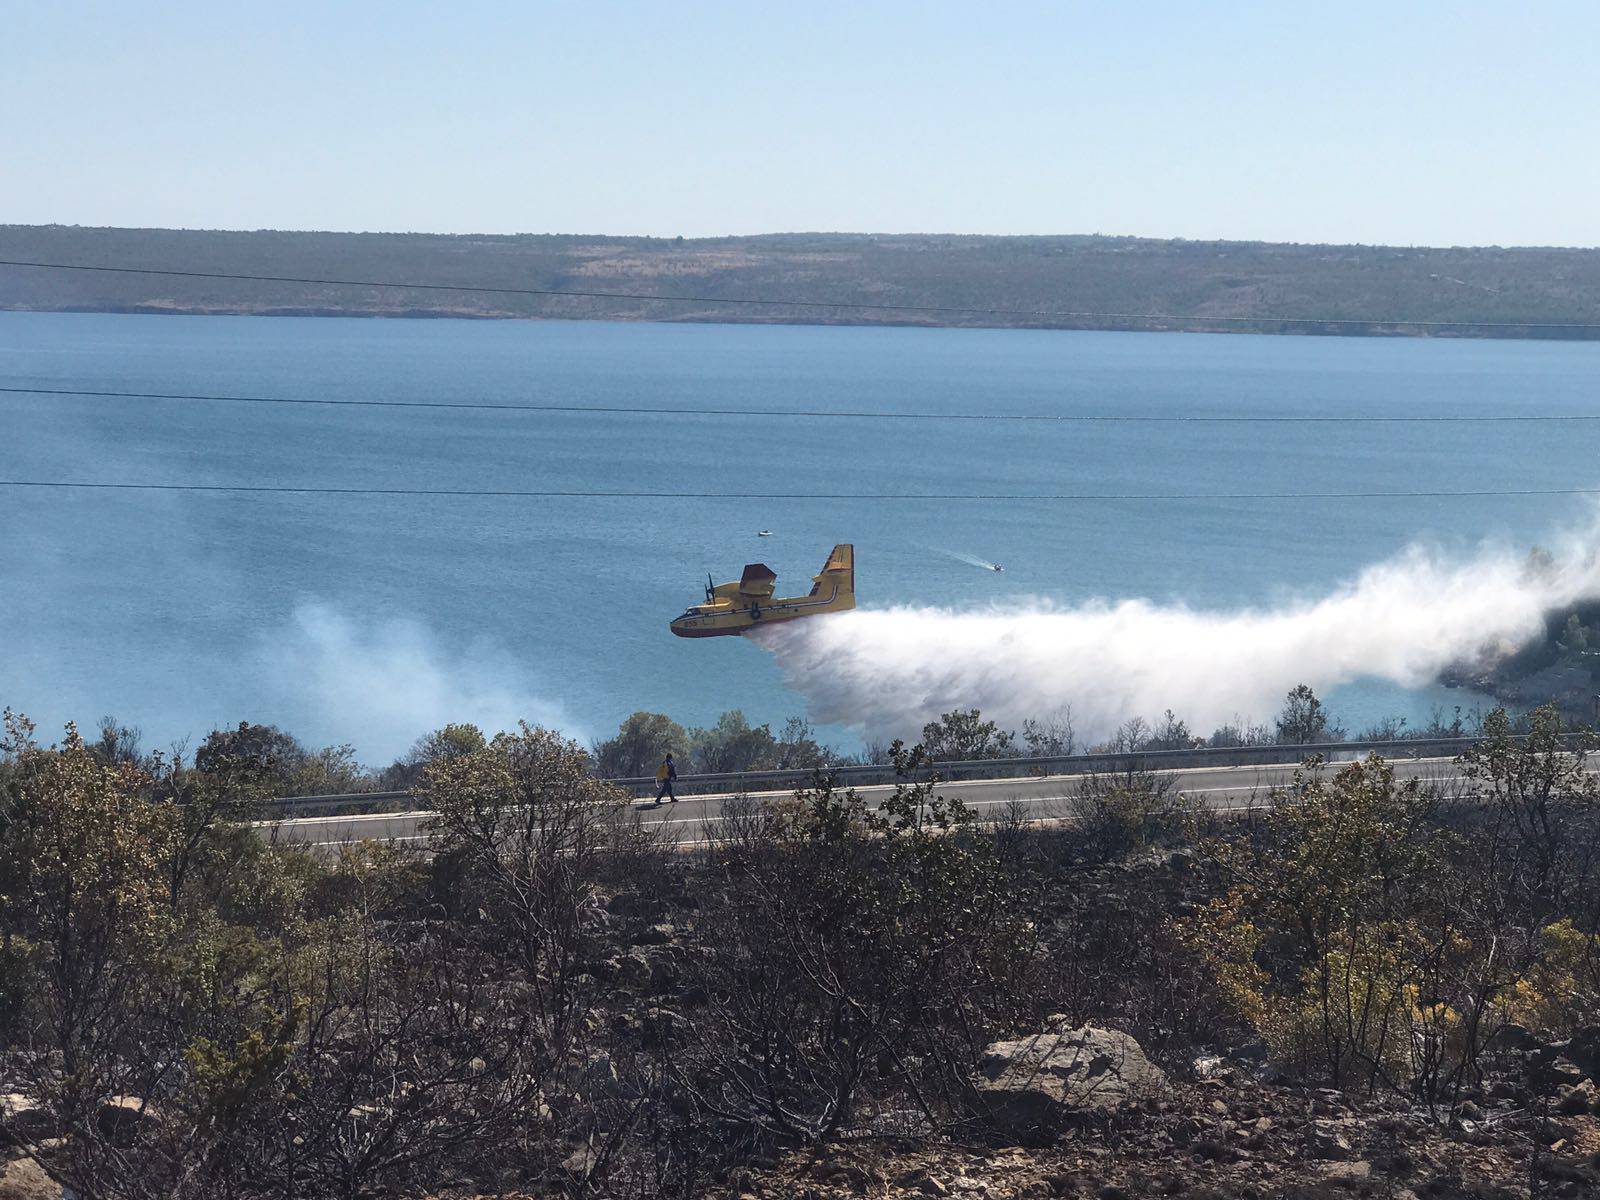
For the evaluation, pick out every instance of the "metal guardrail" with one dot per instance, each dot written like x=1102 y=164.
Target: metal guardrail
x=983 y=768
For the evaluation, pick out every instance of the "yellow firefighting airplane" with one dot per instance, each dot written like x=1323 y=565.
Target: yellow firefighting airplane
x=732 y=608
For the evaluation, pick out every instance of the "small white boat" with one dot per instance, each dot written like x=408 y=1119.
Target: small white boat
x=763 y=533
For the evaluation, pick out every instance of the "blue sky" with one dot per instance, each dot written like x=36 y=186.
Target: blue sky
x=1422 y=122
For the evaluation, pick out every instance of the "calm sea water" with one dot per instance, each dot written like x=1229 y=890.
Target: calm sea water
x=370 y=619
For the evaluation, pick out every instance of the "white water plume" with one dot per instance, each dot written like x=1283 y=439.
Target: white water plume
x=887 y=672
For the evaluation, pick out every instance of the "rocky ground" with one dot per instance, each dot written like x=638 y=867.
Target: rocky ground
x=1228 y=1137
x=1081 y=1110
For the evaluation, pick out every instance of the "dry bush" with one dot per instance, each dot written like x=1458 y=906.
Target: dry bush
x=260 y=1023
x=1541 y=804
x=1113 y=958
x=1117 y=813
x=852 y=960
x=527 y=831
x=1380 y=933
x=1307 y=939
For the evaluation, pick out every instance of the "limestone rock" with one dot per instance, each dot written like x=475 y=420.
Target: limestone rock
x=1038 y=1081
x=1348 y=1171
x=580 y=1163
x=1583 y=1051
x=1207 y=1065
x=857 y=1178
x=920 y=1179
x=1548 y=1067
x=1512 y=1036
x=627 y=904
x=1329 y=1139
x=24 y=1179
x=1579 y=1098
x=22 y=1119
x=597 y=1077
x=121 y=1120
x=665 y=974
x=633 y=969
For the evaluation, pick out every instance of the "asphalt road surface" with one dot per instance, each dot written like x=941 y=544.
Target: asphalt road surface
x=694 y=820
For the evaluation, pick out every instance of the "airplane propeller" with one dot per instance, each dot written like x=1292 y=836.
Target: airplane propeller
x=711 y=588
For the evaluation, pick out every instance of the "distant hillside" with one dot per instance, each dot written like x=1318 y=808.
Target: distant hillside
x=1279 y=288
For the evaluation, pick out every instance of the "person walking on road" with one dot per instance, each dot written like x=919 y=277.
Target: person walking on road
x=666 y=775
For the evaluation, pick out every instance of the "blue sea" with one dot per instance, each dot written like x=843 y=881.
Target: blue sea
x=370 y=619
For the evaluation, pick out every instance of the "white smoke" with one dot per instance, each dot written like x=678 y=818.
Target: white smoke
x=381 y=685
x=887 y=672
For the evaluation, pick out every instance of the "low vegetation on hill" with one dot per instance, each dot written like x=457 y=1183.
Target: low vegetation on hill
x=1562 y=667
x=1111 y=282
x=1363 y=986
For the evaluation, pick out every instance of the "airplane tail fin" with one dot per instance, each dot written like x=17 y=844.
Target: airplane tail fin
x=838 y=574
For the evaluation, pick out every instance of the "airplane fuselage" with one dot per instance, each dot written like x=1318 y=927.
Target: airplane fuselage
x=734 y=608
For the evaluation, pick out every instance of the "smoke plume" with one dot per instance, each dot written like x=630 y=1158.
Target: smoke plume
x=381 y=685
x=887 y=672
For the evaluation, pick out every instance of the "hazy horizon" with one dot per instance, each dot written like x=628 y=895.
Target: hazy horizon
x=1432 y=125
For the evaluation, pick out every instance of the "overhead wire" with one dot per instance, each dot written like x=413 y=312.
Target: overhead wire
x=830 y=305
x=598 y=494
x=851 y=414
x=827 y=413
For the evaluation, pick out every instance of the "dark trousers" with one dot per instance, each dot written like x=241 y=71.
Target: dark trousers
x=666 y=790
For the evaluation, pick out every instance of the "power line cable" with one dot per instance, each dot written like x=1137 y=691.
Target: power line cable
x=853 y=414
x=857 y=305
x=563 y=494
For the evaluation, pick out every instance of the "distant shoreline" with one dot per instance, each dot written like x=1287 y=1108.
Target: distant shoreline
x=915 y=281
x=1378 y=331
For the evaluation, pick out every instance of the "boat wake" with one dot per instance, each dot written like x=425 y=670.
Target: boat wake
x=971 y=560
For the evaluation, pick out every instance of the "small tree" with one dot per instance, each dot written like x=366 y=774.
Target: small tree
x=264 y=750
x=1133 y=734
x=1304 y=720
x=447 y=742
x=1539 y=566
x=798 y=748
x=1052 y=736
x=642 y=741
x=400 y=1066
x=117 y=744
x=1239 y=732
x=289 y=768
x=205 y=801
x=1171 y=734
x=733 y=744
x=964 y=735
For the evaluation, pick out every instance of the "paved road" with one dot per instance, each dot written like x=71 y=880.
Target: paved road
x=695 y=819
